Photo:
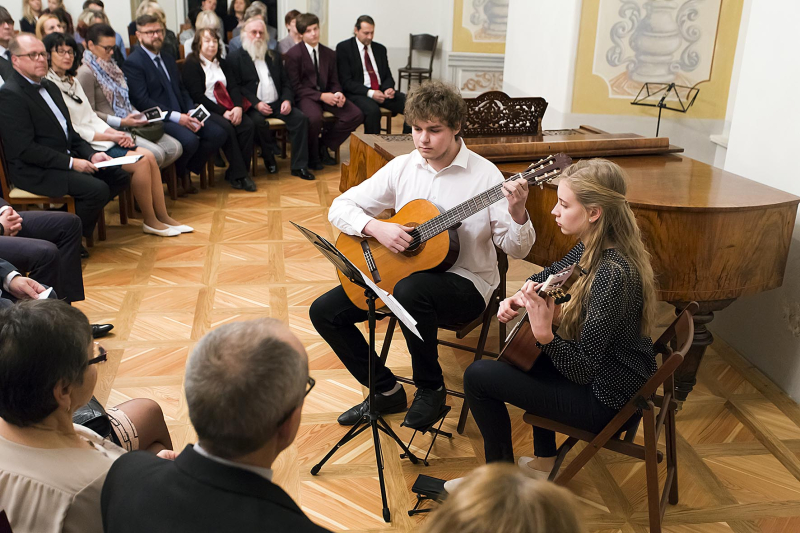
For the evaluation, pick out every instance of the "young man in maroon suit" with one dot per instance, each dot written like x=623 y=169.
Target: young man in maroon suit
x=311 y=67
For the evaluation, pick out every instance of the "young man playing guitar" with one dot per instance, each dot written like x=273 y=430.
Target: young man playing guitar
x=444 y=171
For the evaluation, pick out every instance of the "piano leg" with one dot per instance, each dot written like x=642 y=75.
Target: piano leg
x=686 y=374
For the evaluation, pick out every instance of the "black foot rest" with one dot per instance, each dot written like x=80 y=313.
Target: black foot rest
x=427 y=488
x=435 y=431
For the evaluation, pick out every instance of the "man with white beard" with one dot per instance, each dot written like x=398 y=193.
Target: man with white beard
x=265 y=84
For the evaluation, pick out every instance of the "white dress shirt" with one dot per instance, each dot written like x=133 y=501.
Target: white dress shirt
x=266 y=473
x=85 y=121
x=367 y=81
x=214 y=74
x=54 y=108
x=174 y=116
x=266 y=92
x=409 y=177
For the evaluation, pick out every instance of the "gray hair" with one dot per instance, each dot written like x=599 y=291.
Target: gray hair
x=256 y=8
x=242 y=380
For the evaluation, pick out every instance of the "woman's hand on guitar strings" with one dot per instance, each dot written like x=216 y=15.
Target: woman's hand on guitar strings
x=540 y=311
x=509 y=306
x=393 y=236
x=516 y=192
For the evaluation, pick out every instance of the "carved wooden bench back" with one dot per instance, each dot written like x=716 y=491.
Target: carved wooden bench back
x=496 y=113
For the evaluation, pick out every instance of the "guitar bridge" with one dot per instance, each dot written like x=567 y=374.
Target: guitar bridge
x=368 y=257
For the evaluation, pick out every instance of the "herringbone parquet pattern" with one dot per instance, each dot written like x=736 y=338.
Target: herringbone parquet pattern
x=739 y=443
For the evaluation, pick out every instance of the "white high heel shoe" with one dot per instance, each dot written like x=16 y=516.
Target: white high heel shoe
x=183 y=228
x=169 y=231
x=522 y=462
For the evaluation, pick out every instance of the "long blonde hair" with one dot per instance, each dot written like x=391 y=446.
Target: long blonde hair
x=500 y=497
x=603 y=184
x=41 y=22
x=27 y=11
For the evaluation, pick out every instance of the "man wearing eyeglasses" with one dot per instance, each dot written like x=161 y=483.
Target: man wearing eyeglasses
x=44 y=154
x=154 y=81
x=245 y=383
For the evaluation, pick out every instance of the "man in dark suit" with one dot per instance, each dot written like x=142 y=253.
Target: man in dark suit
x=312 y=70
x=224 y=482
x=265 y=85
x=154 y=81
x=14 y=286
x=366 y=77
x=43 y=153
x=6 y=34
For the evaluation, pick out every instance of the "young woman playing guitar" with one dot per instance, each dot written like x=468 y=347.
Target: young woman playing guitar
x=601 y=354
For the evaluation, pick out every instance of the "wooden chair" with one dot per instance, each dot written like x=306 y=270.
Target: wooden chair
x=169 y=175
x=494 y=113
x=385 y=113
x=422 y=43
x=678 y=337
x=461 y=331
x=330 y=118
x=281 y=135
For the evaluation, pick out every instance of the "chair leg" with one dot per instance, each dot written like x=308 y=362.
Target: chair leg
x=487 y=320
x=336 y=155
x=255 y=160
x=204 y=177
x=389 y=125
x=387 y=340
x=672 y=456
x=131 y=207
x=212 y=172
x=651 y=470
x=123 y=206
x=284 y=138
x=101 y=225
x=171 y=177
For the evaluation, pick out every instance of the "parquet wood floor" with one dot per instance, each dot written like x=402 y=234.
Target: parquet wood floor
x=739 y=443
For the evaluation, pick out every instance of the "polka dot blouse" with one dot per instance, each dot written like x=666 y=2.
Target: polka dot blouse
x=610 y=353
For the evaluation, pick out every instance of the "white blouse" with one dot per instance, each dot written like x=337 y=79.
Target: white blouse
x=85 y=121
x=213 y=75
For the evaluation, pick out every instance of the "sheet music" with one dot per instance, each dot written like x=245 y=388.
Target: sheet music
x=395 y=306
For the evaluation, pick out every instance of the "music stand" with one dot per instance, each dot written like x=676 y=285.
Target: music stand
x=371 y=418
x=651 y=90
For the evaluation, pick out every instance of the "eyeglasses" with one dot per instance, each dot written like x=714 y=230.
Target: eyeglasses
x=309 y=385
x=152 y=32
x=33 y=56
x=67 y=52
x=108 y=49
x=101 y=358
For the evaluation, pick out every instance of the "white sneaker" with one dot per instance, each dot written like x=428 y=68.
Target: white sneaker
x=169 y=231
x=451 y=485
x=183 y=228
x=530 y=471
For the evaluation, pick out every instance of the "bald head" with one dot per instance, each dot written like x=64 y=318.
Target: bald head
x=28 y=56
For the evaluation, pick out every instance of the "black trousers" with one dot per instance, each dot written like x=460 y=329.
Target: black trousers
x=92 y=192
x=372 y=109
x=431 y=298
x=543 y=391
x=296 y=125
x=197 y=147
x=238 y=146
x=48 y=248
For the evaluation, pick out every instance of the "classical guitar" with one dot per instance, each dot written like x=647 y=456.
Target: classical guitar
x=520 y=349
x=434 y=244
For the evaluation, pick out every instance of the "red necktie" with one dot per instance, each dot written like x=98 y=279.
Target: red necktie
x=373 y=78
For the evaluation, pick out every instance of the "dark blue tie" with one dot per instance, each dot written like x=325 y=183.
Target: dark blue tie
x=173 y=99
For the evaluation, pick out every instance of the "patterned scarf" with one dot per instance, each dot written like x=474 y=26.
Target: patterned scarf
x=112 y=83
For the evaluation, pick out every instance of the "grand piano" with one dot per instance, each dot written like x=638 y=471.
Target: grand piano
x=714 y=236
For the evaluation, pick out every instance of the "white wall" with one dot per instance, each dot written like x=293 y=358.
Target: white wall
x=766 y=328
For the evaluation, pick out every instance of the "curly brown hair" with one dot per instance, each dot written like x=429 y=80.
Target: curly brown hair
x=436 y=100
x=198 y=42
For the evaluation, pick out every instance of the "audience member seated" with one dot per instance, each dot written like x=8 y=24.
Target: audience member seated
x=210 y=82
x=154 y=81
x=31 y=11
x=48 y=24
x=87 y=19
x=107 y=92
x=169 y=43
x=366 y=77
x=207 y=19
x=312 y=71
x=501 y=498
x=43 y=153
x=236 y=15
x=266 y=86
x=293 y=37
x=14 y=286
x=187 y=35
x=57 y=8
x=245 y=386
x=145 y=175
x=6 y=34
x=256 y=9
x=51 y=470
x=98 y=5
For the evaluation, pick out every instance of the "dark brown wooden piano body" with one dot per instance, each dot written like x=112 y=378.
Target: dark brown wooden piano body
x=714 y=236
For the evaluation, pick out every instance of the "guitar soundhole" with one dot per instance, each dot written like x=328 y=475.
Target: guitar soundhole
x=415 y=248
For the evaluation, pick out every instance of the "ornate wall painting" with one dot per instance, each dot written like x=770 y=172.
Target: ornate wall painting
x=480 y=26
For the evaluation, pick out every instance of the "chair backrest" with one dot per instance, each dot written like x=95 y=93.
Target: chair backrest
x=5 y=182
x=496 y=113
x=423 y=42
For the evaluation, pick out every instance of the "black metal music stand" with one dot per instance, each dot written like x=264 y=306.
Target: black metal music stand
x=653 y=90
x=371 y=418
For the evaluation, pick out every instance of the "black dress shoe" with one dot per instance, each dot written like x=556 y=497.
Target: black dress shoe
x=271 y=164
x=315 y=165
x=425 y=408
x=326 y=158
x=385 y=405
x=249 y=184
x=84 y=253
x=237 y=183
x=101 y=330
x=303 y=173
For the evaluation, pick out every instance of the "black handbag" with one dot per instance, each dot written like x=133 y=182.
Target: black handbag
x=152 y=132
x=93 y=416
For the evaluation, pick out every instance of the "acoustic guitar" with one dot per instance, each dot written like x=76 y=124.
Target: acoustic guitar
x=434 y=245
x=520 y=349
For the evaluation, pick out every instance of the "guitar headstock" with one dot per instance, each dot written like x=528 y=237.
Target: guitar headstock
x=558 y=284
x=546 y=169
